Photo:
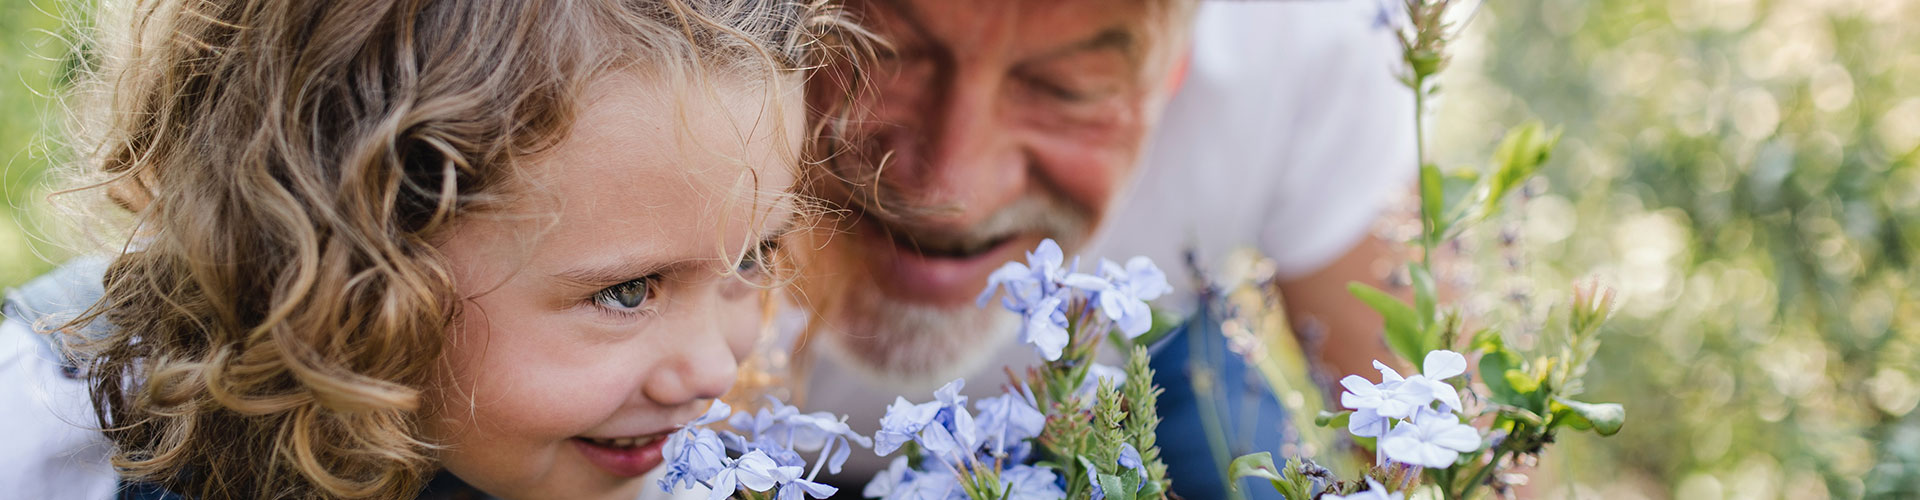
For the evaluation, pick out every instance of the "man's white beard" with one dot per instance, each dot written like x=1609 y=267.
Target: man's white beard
x=918 y=344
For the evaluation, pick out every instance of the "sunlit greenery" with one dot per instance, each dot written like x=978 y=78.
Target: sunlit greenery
x=31 y=62
x=1744 y=172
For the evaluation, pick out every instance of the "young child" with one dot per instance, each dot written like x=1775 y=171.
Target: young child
x=372 y=241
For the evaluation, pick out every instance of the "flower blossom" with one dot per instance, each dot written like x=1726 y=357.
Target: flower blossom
x=942 y=426
x=1027 y=284
x=1125 y=300
x=1008 y=419
x=695 y=454
x=1041 y=291
x=1433 y=439
x=1374 y=491
x=1026 y=482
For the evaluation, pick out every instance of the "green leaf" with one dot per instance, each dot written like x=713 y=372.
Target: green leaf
x=1432 y=199
x=1521 y=381
x=1403 y=325
x=1254 y=465
x=1604 y=418
x=1425 y=300
x=1495 y=362
x=1337 y=420
x=1115 y=487
x=1521 y=153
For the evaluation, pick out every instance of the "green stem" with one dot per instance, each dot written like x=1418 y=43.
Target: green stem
x=1479 y=477
x=1427 y=237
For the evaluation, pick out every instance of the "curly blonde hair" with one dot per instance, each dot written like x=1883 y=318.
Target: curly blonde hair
x=288 y=165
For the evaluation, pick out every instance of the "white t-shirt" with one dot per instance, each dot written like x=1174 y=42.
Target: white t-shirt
x=51 y=449
x=1288 y=135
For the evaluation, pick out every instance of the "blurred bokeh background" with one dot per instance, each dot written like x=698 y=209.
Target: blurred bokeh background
x=1745 y=172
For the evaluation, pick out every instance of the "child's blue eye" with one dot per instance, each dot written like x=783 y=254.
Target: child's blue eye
x=757 y=260
x=626 y=296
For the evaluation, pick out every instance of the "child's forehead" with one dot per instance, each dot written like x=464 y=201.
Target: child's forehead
x=643 y=166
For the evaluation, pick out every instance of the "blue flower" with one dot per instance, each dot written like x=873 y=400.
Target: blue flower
x=1026 y=482
x=771 y=419
x=1026 y=284
x=901 y=423
x=1129 y=457
x=1046 y=328
x=828 y=433
x=887 y=481
x=695 y=454
x=1125 y=301
x=754 y=471
x=1008 y=418
x=930 y=487
x=793 y=490
x=942 y=426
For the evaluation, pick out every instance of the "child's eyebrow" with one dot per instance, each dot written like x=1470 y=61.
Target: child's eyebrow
x=624 y=270
x=786 y=225
x=620 y=271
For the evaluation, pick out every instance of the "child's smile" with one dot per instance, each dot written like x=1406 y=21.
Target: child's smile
x=606 y=305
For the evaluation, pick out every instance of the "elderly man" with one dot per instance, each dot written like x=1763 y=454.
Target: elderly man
x=1118 y=128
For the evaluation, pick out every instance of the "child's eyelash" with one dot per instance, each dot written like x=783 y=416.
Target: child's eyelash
x=641 y=293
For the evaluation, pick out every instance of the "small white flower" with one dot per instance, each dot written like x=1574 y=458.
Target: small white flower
x=1375 y=491
x=1393 y=397
x=1439 y=366
x=1431 y=439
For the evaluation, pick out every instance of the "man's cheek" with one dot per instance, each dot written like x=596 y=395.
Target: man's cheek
x=1088 y=167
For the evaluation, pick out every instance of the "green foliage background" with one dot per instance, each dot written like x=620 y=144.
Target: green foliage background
x=1745 y=172
x=31 y=61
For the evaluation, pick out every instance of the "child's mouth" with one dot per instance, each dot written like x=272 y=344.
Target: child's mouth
x=630 y=456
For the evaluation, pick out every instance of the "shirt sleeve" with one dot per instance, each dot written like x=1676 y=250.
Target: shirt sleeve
x=52 y=450
x=1350 y=147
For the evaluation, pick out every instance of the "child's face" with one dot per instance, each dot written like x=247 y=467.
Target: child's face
x=597 y=317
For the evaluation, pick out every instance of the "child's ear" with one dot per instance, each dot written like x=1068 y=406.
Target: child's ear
x=131 y=192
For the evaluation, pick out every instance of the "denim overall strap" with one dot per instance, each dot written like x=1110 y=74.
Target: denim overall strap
x=1238 y=414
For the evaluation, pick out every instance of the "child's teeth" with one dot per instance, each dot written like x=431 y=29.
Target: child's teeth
x=623 y=442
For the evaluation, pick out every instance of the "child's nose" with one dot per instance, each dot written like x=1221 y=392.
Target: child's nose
x=701 y=367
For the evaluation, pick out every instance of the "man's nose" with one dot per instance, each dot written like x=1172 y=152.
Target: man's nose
x=974 y=163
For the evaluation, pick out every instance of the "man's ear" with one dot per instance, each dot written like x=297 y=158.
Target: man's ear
x=1178 y=76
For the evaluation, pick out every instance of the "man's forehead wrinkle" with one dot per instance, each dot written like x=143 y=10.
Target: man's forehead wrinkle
x=961 y=36
x=1119 y=38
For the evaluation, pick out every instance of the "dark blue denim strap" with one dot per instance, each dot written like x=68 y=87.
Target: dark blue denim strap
x=1245 y=414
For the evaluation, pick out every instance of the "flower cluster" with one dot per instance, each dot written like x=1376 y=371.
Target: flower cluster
x=1072 y=428
x=959 y=450
x=764 y=459
x=1414 y=417
x=1041 y=291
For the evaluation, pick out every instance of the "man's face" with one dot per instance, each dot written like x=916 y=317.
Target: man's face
x=988 y=126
